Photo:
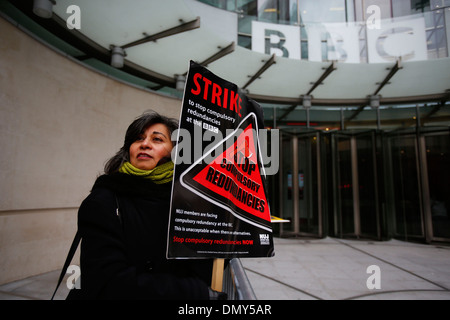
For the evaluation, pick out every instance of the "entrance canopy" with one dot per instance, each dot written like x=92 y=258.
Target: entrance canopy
x=158 y=38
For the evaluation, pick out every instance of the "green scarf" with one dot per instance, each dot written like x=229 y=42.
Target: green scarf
x=159 y=175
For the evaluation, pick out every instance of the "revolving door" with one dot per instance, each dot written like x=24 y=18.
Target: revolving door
x=418 y=180
x=355 y=173
x=300 y=191
x=364 y=184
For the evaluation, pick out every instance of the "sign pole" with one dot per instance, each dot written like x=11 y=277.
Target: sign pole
x=217 y=275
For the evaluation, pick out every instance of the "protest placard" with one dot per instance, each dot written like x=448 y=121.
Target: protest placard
x=219 y=205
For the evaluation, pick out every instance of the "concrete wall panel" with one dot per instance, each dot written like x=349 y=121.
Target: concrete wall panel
x=60 y=122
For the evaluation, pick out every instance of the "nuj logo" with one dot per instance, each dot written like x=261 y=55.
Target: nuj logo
x=264 y=239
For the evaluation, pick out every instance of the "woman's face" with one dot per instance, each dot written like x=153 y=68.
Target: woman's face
x=152 y=146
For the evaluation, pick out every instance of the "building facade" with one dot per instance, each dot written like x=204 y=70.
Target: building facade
x=358 y=89
x=360 y=172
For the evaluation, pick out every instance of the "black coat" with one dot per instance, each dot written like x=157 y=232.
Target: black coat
x=124 y=257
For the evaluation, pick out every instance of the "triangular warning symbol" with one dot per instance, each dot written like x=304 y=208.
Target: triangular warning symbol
x=233 y=179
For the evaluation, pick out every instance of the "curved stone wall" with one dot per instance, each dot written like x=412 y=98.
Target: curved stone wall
x=60 y=122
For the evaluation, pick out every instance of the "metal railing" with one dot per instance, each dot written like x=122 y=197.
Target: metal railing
x=236 y=283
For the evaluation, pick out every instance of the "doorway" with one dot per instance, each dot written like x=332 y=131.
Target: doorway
x=355 y=175
x=364 y=184
x=300 y=191
x=419 y=172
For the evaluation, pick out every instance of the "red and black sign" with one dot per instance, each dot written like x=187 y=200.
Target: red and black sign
x=219 y=206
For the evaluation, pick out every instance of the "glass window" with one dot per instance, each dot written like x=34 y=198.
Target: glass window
x=350 y=11
x=293 y=12
x=401 y=8
x=322 y=11
x=278 y=11
x=345 y=186
x=308 y=184
x=420 y=6
x=362 y=5
x=222 y=4
x=247 y=12
x=268 y=10
x=367 y=184
x=438 y=164
x=247 y=7
x=408 y=216
x=405 y=8
x=287 y=188
x=435 y=4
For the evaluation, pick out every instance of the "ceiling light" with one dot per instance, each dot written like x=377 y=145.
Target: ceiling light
x=180 y=82
x=306 y=101
x=43 y=8
x=117 y=55
x=374 y=101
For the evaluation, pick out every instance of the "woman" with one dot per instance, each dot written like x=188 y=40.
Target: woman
x=123 y=252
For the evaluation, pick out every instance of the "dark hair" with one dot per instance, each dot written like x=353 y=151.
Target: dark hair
x=134 y=131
